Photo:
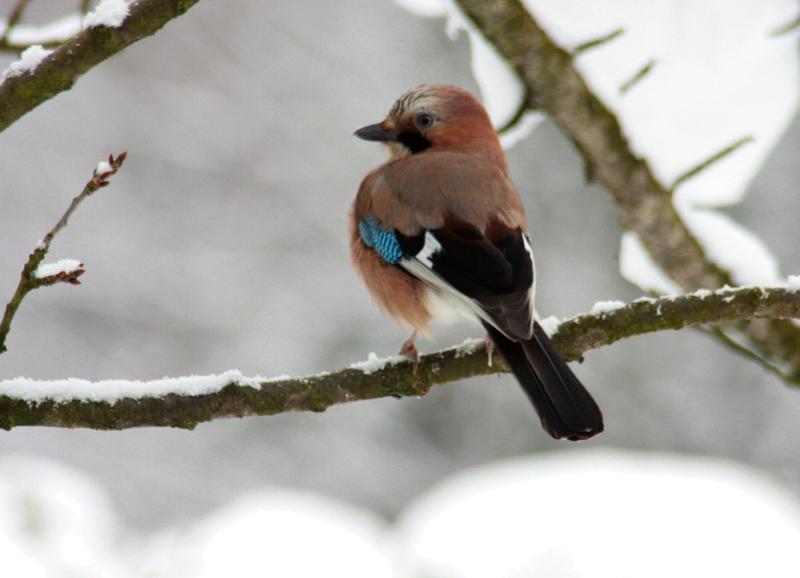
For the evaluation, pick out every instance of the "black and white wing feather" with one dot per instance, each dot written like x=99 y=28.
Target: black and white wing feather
x=491 y=275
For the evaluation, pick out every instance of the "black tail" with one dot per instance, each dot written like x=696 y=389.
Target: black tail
x=566 y=409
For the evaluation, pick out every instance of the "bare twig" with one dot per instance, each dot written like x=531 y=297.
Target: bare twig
x=29 y=280
x=396 y=378
x=597 y=42
x=16 y=16
x=48 y=35
x=733 y=344
x=637 y=77
x=524 y=106
x=716 y=157
x=786 y=28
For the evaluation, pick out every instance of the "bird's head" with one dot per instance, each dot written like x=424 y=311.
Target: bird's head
x=436 y=117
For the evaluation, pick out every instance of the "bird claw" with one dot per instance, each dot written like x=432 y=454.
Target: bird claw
x=489 y=350
x=409 y=350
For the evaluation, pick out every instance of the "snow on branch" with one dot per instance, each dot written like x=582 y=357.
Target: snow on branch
x=186 y=401
x=108 y=30
x=17 y=37
x=36 y=273
x=646 y=205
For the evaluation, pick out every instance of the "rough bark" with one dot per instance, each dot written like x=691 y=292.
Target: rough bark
x=316 y=393
x=555 y=87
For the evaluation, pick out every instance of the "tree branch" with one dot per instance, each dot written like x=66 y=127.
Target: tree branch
x=523 y=108
x=14 y=18
x=27 y=402
x=715 y=158
x=645 y=205
x=49 y=35
x=33 y=275
x=59 y=71
x=638 y=76
x=596 y=42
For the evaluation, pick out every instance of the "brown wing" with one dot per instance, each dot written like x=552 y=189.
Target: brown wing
x=417 y=192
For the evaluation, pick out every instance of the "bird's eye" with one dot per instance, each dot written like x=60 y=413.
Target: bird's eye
x=424 y=120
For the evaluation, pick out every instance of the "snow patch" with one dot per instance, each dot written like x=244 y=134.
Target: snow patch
x=719 y=76
x=109 y=13
x=103 y=167
x=550 y=325
x=56 y=522
x=65 y=266
x=375 y=363
x=113 y=390
x=52 y=32
x=275 y=532
x=732 y=246
x=501 y=89
x=637 y=266
x=501 y=520
x=508 y=520
x=469 y=346
x=650 y=300
x=522 y=129
x=793 y=283
x=602 y=307
x=424 y=8
x=28 y=61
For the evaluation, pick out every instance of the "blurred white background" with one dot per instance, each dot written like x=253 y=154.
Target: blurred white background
x=222 y=244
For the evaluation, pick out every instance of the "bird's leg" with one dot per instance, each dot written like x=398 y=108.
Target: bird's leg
x=409 y=350
x=489 y=350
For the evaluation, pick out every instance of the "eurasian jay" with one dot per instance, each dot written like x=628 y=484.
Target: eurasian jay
x=438 y=232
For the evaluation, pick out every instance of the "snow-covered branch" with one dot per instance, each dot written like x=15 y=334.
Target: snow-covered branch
x=646 y=206
x=104 y=35
x=17 y=37
x=37 y=274
x=186 y=401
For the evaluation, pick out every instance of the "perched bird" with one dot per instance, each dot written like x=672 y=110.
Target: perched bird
x=439 y=232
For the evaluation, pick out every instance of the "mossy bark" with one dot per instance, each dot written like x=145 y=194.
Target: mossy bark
x=316 y=393
x=646 y=208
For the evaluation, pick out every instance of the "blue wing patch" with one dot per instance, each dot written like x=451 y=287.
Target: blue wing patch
x=383 y=241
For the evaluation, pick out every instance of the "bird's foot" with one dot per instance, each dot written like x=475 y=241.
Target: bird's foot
x=489 y=350
x=409 y=350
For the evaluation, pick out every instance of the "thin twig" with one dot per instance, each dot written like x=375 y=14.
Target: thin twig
x=16 y=16
x=85 y=6
x=743 y=350
x=28 y=279
x=786 y=28
x=597 y=42
x=54 y=404
x=716 y=157
x=646 y=69
x=524 y=106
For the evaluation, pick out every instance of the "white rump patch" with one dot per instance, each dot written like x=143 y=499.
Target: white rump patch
x=447 y=308
x=431 y=247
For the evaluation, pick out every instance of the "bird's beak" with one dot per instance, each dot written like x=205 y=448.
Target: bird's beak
x=376 y=132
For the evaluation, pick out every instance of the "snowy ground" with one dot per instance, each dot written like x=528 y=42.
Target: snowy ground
x=577 y=514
